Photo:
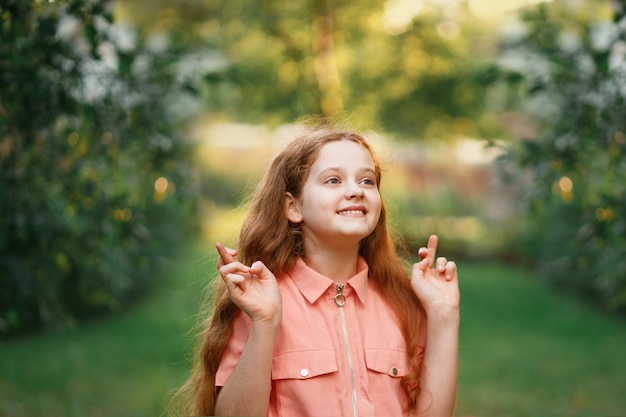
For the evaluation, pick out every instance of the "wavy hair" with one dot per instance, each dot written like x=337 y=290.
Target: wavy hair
x=268 y=235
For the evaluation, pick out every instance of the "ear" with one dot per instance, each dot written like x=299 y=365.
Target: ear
x=292 y=210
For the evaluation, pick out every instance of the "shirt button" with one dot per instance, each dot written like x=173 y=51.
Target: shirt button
x=304 y=372
x=394 y=371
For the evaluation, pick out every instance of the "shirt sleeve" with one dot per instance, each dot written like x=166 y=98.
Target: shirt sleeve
x=241 y=330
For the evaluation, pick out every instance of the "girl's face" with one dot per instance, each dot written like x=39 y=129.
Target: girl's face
x=339 y=202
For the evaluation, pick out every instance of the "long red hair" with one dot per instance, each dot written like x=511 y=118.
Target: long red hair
x=268 y=235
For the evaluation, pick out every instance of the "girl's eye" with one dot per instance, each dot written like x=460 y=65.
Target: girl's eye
x=332 y=181
x=368 y=181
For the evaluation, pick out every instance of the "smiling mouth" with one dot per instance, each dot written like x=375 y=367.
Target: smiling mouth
x=352 y=212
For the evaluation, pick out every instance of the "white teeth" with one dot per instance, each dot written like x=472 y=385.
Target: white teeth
x=351 y=212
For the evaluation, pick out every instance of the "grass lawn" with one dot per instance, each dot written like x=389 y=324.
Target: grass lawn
x=524 y=351
x=120 y=365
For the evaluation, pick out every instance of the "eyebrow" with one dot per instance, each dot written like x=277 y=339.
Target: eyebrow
x=325 y=170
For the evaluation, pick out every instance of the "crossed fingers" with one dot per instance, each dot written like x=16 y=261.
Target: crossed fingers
x=445 y=269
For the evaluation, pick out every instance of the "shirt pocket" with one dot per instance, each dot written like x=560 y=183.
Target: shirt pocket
x=385 y=369
x=303 y=364
x=300 y=379
x=393 y=363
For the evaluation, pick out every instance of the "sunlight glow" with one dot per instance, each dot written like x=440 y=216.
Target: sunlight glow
x=604 y=214
x=161 y=188
x=122 y=215
x=565 y=187
x=566 y=184
x=476 y=152
x=448 y=30
x=493 y=8
x=161 y=184
x=399 y=14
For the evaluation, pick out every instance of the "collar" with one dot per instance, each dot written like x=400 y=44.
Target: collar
x=312 y=284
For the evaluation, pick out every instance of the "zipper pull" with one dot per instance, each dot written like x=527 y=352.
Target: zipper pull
x=340 y=299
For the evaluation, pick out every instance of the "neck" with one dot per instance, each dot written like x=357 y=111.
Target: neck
x=338 y=264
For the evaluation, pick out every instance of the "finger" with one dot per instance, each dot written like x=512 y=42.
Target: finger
x=259 y=269
x=451 y=272
x=441 y=264
x=226 y=255
x=429 y=260
x=235 y=283
x=422 y=253
x=234 y=268
x=236 y=279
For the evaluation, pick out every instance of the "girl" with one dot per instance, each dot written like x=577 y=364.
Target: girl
x=316 y=314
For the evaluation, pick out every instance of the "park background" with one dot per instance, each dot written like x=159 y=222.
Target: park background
x=132 y=131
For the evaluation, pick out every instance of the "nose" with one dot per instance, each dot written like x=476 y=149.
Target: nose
x=353 y=190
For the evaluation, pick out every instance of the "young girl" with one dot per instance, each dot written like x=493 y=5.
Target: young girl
x=316 y=314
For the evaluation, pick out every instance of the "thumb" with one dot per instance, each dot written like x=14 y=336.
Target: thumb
x=258 y=268
x=418 y=271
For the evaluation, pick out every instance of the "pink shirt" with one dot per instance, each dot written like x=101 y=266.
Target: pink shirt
x=330 y=360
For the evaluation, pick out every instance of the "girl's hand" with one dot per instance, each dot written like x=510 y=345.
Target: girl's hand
x=252 y=288
x=435 y=283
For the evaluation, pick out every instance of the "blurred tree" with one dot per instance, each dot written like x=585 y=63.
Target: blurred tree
x=409 y=67
x=94 y=191
x=567 y=68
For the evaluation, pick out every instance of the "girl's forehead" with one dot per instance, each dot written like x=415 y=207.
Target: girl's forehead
x=343 y=152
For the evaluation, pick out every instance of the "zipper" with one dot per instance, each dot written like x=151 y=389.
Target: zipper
x=340 y=300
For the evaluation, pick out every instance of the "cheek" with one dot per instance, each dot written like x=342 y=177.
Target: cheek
x=378 y=215
x=376 y=199
x=377 y=206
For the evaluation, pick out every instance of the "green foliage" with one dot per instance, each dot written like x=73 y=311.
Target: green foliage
x=94 y=194
x=408 y=71
x=571 y=64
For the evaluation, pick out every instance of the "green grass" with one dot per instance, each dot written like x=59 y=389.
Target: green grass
x=524 y=351
x=121 y=365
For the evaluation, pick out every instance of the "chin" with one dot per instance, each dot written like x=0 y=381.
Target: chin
x=356 y=235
